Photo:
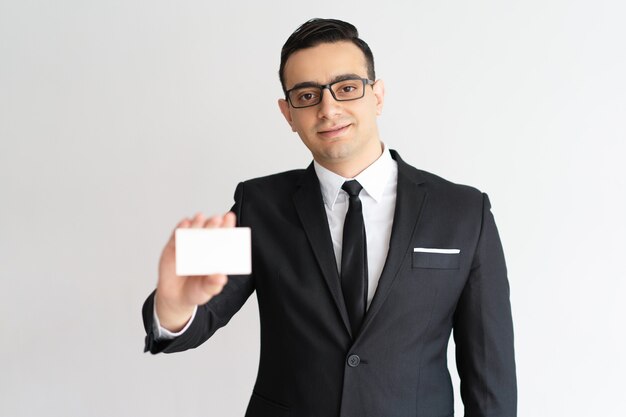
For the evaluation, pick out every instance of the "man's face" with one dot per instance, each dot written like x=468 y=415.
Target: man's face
x=337 y=133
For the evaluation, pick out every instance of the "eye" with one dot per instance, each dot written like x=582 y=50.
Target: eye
x=304 y=97
x=348 y=89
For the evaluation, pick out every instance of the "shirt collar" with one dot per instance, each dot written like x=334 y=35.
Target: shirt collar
x=373 y=179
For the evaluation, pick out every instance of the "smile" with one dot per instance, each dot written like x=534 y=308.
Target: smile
x=334 y=131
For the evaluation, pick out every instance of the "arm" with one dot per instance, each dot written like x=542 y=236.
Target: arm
x=483 y=330
x=208 y=319
x=199 y=304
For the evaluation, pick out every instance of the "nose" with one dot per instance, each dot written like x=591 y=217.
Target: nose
x=328 y=106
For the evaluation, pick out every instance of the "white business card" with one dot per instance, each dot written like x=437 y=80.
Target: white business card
x=213 y=251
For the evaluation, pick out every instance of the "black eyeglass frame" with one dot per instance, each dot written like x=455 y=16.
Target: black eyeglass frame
x=366 y=81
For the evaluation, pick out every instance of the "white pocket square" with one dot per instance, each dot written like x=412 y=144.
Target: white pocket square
x=437 y=250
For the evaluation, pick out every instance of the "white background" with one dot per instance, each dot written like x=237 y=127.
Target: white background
x=118 y=118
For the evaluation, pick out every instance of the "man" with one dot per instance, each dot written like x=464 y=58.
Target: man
x=359 y=283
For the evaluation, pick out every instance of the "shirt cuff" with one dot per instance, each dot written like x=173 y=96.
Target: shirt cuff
x=162 y=333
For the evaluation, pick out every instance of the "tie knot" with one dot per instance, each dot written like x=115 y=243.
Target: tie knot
x=352 y=187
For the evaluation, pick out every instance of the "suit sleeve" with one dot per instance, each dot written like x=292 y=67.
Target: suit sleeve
x=210 y=316
x=483 y=330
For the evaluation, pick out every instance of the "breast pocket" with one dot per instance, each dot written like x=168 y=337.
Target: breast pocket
x=434 y=258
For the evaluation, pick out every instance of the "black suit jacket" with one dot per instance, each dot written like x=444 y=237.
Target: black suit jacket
x=311 y=365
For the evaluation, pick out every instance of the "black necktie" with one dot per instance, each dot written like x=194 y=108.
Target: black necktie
x=354 y=258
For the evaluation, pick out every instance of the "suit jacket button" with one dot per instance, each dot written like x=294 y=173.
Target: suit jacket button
x=354 y=361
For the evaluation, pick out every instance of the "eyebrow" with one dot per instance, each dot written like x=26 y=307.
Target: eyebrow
x=341 y=77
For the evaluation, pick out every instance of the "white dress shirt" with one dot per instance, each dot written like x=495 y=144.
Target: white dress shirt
x=378 y=198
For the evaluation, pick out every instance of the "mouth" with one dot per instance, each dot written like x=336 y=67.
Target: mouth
x=334 y=131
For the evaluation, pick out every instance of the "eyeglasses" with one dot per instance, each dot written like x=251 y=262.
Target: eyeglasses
x=342 y=90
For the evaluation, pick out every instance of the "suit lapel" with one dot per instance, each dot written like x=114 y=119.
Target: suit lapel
x=310 y=207
x=410 y=199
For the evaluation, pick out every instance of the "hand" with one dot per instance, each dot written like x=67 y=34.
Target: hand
x=177 y=296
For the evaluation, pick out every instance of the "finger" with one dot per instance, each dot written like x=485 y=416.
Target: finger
x=215 y=279
x=230 y=220
x=215 y=221
x=213 y=284
x=198 y=220
x=227 y=220
x=183 y=224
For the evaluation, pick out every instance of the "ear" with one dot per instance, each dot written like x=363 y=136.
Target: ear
x=379 y=93
x=283 y=105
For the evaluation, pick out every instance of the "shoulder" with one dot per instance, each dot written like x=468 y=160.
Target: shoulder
x=271 y=187
x=435 y=184
x=265 y=199
x=446 y=203
x=438 y=184
x=281 y=181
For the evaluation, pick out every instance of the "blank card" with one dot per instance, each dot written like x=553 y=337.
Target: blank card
x=213 y=251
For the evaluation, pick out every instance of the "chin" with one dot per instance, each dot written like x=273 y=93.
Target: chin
x=338 y=151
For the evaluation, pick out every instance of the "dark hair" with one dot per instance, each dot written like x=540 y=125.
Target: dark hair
x=317 y=31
